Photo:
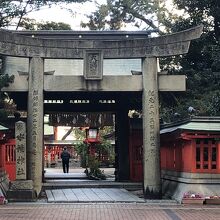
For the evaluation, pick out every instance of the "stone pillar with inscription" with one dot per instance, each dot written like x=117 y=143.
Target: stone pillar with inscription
x=93 y=65
x=20 y=135
x=21 y=189
x=35 y=122
x=151 y=130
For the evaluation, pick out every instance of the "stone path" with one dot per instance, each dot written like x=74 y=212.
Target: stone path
x=65 y=176
x=107 y=211
x=91 y=195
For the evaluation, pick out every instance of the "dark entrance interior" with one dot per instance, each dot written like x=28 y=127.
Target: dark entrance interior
x=118 y=103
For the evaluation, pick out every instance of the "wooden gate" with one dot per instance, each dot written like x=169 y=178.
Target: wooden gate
x=136 y=155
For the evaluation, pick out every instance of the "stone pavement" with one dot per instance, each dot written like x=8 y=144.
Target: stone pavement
x=107 y=211
x=91 y=195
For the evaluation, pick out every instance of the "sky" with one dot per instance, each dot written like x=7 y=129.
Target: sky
x=73 y=18
x=77 y=15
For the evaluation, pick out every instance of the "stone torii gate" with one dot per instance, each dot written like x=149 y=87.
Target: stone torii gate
x=93 y=52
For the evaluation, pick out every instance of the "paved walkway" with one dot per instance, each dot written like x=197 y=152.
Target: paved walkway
x=107 y=212
x=75 y=187
x=91 y=195
x=74 y=173
x=107 y=171
x=65 y=176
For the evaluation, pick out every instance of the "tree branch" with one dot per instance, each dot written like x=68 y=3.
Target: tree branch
x=147 y=21
x=22 y=13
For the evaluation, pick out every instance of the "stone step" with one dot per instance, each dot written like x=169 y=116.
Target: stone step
x=83 y=183
x=91 y=195
x=65 y=176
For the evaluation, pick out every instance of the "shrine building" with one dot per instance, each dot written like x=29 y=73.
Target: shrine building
x=189 y=156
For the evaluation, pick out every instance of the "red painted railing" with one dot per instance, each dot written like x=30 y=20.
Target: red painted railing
x=8 y=158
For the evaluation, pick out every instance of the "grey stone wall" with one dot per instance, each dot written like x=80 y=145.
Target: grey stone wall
x=175 y=184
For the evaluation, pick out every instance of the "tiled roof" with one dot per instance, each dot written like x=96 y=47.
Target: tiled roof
x=195 y=124
x=2 y=128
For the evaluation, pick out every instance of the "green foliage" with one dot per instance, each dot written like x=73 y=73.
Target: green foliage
x=105 y=130
x=116 y=13
x=201 y=65
x=92 y=162
x=97 y=20
x=103 y=146
x=32 y=24
x=82 y=150
x=79 y=134
x=94 y=172
x=206 y=11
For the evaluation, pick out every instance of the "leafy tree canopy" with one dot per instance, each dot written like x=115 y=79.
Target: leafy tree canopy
x=32 y=24
x=116 y=13
x=201 y=64
x=11 y=9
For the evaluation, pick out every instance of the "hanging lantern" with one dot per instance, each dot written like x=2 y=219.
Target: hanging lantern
x=92 y=135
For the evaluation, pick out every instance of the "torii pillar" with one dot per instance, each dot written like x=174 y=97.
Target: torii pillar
x=35 y=122
x=151 y=129
x=152 y=84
